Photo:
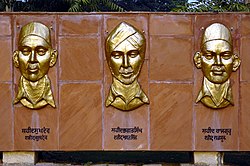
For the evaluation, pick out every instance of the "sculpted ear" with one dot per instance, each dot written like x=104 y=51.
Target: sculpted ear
x=236 y=62
x=53 y=58
x=197 y=60
x=15 y=59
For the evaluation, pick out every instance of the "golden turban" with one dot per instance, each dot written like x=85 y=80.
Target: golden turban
x=124 y=32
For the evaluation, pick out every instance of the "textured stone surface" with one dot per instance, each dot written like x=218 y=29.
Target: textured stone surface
x=171 y=116
x=6 y=58
x=6 y=118
x=80 y=60
x=245 y=59
x=208 y=158
x=80 y=117
x=245 y=21
x=244 y=122
x=80 y=25
x=161 y=24
x=171 y=58
x=19 y=157
x=5 y=28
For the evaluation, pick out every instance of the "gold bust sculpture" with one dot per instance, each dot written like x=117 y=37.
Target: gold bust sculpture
x=125 y=53
x=34 y=57
x=217 y=61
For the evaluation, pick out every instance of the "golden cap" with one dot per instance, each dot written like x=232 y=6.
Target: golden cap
x=216 y=31
x=35 y=29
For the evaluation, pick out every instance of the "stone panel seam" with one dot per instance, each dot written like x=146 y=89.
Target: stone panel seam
x=80 y=82
x=57 y=83
x=239 y=81
x=102 y=34
x=148 y=63
x=194 y=95
x=80 y=36
x=170 y=82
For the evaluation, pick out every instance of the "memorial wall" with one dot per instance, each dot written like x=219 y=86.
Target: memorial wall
x=124 y=81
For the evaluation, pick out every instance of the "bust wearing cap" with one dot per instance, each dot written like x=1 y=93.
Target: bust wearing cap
x=125 y=52
x=217 y=62
x=34 y=57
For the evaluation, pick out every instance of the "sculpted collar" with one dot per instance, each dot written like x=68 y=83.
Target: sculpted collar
x=35 y=96
x=117 y=98
x=215 y=96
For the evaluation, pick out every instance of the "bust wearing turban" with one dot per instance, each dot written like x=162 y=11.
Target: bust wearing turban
x=34 y=57
x=217 y=62
x=125 y=52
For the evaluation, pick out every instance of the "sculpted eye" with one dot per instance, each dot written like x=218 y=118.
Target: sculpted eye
x=133 y=53
x=41 y=51
x=116 y=54
x=25 y=51
x=226 y=55
x=208 y=55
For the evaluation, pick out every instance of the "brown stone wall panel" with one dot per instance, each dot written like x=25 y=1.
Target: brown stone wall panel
x=205 y=117
x=80 y=117
x=6 y=59
x=231 y=21
x=245 y=22
x=171 y=116
x=136 y=118
x=80 y=24
x=5 y=28
x=245 y=59
x=6 y=118
x=244 y=123
x=166 y=24
x=49 y=20
x=139 y=21
x=114 y=118
x=80 y=59
x=171 y=58
x=224 y=118
x=45 y=117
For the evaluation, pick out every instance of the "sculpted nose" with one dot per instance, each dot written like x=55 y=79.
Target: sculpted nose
x=218 y=60
x=33 y=56
x=125 y=62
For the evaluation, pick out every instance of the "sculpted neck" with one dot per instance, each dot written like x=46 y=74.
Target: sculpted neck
x=217 y=89
x=126 y=91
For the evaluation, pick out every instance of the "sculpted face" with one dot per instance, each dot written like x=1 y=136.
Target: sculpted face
x=217 y=61
x=216 y=58
x=125 y=51
x=34 y=56
x=125 y=62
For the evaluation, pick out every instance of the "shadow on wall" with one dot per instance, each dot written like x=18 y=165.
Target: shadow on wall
x=1 y=157
x=237 y=158
x=116 y=157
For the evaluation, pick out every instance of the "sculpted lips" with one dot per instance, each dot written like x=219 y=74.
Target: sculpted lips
x=126 y=72
x=218 y=70
x=33 y=67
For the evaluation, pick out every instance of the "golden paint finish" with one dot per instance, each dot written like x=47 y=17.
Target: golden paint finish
x=34 y=57
x=217 y=62
x=125 y=53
